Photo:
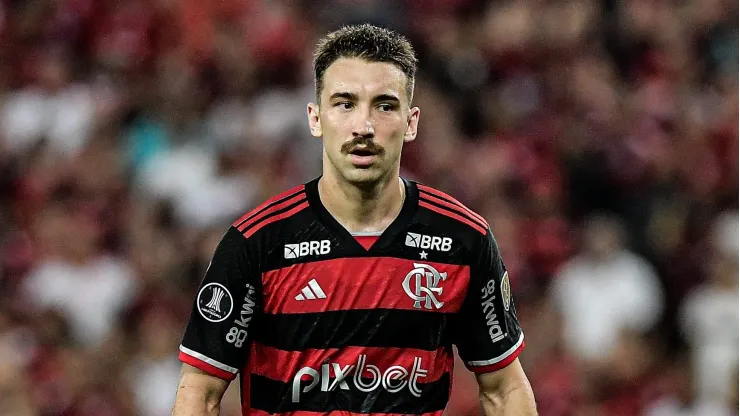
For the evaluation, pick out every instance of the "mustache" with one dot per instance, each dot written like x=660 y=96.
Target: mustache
x=367 y=143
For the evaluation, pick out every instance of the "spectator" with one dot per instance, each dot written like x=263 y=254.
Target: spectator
x=132 y=133
x=709 y=315
x=682 y=398
x=88 y=287
x=605 y=290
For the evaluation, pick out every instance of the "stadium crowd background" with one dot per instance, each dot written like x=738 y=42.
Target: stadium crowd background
x=600 y=140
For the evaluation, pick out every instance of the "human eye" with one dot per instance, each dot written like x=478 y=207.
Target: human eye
x=345 y=105
x=386 y=107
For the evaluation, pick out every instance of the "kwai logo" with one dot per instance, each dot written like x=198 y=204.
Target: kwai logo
x=364 y=377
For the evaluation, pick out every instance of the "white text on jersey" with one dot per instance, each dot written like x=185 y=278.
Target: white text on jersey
x=488 y=295
x=365 y=378
x=306 y=248
x=237 y=335
x=428 y=242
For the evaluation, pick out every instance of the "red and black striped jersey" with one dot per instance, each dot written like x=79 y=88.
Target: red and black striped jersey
x=316 y=323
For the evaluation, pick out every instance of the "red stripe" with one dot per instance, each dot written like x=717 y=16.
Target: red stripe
x=256 y=412
x=449 y=198
x=499 y=365
x=284 y=365
x=360 y=283
x=268 y=202
x=202 y=365
x=454 y=207
x=270 y=220
x=452 y=215
x=272 y=209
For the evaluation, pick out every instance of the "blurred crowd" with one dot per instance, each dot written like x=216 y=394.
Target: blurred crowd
x=599 y=139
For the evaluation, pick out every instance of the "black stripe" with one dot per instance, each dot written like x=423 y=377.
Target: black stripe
x=364 y=328
x=448 y=209
x=271 y=204
x=274 y=396
x=272 y=214
x=462 y=211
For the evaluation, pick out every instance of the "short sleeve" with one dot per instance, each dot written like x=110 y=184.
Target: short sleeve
x=487 y=332
x=218 y=336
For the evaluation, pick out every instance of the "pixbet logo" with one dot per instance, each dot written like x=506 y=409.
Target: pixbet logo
x=422 y=285
x=365 y=378
x=314 y=248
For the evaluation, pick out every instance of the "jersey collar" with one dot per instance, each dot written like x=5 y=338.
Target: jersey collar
x=397 y=226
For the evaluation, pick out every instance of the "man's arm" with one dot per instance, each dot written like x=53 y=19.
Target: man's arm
x=198 y=393
x=217 y=339
x=506 y=392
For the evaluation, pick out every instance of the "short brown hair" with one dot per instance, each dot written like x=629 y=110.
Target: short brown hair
x=368 y=42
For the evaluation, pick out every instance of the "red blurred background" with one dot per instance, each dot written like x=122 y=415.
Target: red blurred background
x=599 y=139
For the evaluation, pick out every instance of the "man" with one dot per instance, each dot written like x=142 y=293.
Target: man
x=345 y=295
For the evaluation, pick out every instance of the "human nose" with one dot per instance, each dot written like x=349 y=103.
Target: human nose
x=364 y=126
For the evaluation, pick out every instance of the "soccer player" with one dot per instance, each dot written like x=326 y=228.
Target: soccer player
x=345 y=295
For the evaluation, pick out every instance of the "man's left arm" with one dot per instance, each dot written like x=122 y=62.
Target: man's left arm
x=507 y=392
x=489 y=338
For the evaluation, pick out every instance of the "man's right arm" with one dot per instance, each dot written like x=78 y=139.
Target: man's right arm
x=198 y=393
x=218 y=336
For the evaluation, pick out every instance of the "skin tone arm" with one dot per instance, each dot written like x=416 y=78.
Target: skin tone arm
x=199 y=393
x=507 y=392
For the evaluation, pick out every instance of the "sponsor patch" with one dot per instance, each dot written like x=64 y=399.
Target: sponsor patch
x=306 y=248
x=428 y=242
x=361 y=376
x=506 y=291
x=215 y=302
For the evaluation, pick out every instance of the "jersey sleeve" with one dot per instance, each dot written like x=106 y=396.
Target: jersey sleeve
x=488 y=335
x=218 y=336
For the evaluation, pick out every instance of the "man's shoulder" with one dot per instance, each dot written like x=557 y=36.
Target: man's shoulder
x=440 y=209
x=274 y=209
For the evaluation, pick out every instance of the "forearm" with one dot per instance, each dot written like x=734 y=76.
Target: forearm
x=198 y=394
x=516 y=400
x=191 y=401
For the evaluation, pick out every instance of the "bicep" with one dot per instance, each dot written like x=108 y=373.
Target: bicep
x=498 y=381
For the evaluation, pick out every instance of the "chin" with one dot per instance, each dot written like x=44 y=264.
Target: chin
x=364 y=177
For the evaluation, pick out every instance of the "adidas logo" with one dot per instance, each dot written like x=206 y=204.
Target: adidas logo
x=312 y=291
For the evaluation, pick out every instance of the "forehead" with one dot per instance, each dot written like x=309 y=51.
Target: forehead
x=364 y=78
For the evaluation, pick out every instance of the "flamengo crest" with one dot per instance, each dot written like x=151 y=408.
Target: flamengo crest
x=422 y=285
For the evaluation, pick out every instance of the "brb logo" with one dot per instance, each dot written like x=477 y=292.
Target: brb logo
x=314 y=248
x=422 y=285
x=428 y=242
x=365 y=378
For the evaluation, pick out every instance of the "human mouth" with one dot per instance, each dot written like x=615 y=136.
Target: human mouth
x=362 y=157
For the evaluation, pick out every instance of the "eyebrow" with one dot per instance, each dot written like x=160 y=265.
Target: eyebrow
x=386 y=97
x=353 y=97
x=345 y=95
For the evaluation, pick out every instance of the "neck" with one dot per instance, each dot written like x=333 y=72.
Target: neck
x=361 y=209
